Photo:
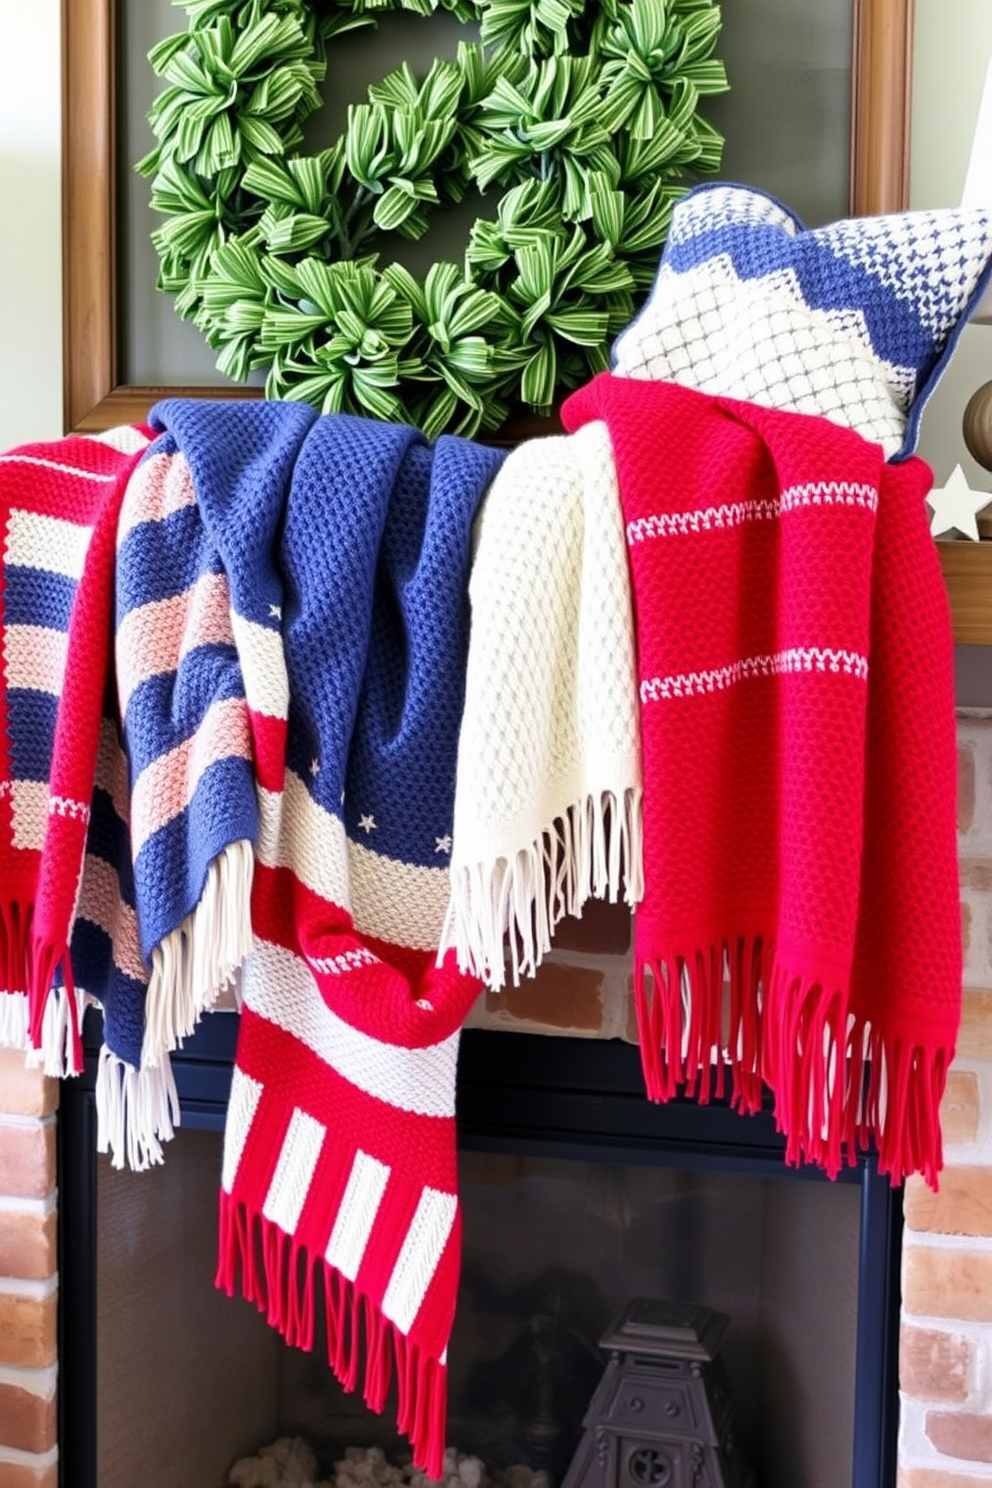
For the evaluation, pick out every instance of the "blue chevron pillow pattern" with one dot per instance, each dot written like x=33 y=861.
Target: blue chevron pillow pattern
x=854 y=321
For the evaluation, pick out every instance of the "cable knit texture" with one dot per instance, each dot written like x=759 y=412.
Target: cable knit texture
x=797 y=719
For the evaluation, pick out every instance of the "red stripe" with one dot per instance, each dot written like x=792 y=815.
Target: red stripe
x=403 y=996
x=269 y=738
x=420 y=1152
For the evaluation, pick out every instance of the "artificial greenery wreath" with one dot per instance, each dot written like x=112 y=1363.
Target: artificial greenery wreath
x=583 y=112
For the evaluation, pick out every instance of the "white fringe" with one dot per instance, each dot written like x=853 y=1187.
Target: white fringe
x=200 y=959
x=593 y=850
x=55 y=1057
x=14 y=1020
x=136 y=1111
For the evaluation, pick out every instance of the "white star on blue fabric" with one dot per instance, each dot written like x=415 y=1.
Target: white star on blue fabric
x=315 y=767
x=275 y=612
x=367 y=823
x=956 y=506
x=443 y=844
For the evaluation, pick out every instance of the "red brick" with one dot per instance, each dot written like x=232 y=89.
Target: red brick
x=975 y=1036
x=948 y=1283
x=976 y=873
x=959 y=1110
x=27 y=1422
x=27 y=1245
x=23 y=1091
x=962 y=1207
x=27 y=1331
x=966 y=788
x=960 y=1434
x=934 y=1477
x=934 y=1365
x=560 y=996
x=603 y=929
x=16 y=1476
x=27 y=1160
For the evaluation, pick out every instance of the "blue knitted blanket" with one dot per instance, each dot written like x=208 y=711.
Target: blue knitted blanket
x=292 y=629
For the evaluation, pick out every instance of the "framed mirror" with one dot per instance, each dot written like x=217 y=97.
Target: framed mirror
x=818 y=108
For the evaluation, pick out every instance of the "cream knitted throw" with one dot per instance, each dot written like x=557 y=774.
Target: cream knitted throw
x=548 y=799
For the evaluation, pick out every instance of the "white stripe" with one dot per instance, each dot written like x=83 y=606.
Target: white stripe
x=399 y=902
x=418 y=1260
x=165 y=787
x=29 y=812
x=279 y=987
x=67 y=806
x=124 y=438
x=92 y=475
x=263 y=666
x=356 y=1215
x=717 y=679
x=34 y=658
x=160 y=486
x=101 y=904
x=347 y=961
x=294 y=1171
x=735 y=513
x=154 y=638
x=295 y=832
x=48 y=543
x=245 y=1096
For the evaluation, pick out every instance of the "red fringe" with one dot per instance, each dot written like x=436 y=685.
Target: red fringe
x=28 y=965
x=839 y=1084
x=15 y=945
x=277 y=1274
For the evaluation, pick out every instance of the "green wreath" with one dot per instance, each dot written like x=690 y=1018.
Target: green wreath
x=584 y=114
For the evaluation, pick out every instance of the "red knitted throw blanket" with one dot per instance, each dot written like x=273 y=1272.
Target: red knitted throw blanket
x=801 y=922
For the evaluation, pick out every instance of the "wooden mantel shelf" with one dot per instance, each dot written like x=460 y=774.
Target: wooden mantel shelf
x=968 y=574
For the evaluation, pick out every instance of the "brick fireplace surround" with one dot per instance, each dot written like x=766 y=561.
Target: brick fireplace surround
x=946 y=1345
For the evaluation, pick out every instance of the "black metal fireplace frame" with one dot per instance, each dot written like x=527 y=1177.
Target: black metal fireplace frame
x=517 y=1093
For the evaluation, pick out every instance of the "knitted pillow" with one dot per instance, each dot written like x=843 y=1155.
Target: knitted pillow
x=854 y=321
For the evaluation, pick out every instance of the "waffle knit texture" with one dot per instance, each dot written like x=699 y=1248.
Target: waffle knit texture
x=344 y=546
x=797 y=718
x=548 y=799
x=854 y=321
x=59 y=505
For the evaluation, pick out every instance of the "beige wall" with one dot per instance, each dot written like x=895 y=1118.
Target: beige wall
x=30 y=250
x=953 y=46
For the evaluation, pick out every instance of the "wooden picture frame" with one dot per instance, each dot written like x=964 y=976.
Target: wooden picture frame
x=94 y=398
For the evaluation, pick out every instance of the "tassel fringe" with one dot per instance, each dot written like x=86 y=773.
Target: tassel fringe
x=42 y=1019
x=839 y=1084
x=136 y=1111
x=61 y=1052
x=278 y=1275
x=594 y=850
x=200 y=959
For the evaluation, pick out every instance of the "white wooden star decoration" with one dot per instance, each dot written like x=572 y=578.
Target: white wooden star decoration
x=956 y=506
